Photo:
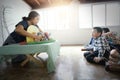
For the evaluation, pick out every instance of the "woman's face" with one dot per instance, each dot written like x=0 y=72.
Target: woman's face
x=35 y=20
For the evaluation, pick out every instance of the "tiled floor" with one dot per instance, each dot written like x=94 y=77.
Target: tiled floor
x=71 y=65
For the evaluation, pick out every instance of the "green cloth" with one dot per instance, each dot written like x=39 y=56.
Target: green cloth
x=52 y=50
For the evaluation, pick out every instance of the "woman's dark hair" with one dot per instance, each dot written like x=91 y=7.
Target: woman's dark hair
x=106 y=30
x=31 y=15
x=98 y=29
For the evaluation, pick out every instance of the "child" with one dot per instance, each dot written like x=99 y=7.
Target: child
x=114 y=61
x=100 y=48
x=112 y=38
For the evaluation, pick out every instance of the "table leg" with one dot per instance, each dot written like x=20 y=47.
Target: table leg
x=30 y=57
x=25 y=61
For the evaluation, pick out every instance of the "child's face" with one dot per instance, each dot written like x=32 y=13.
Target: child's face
x=95 y=34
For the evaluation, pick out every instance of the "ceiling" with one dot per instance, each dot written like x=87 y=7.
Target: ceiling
x=35 y=4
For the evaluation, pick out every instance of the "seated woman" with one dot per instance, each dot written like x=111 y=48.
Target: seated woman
x=114 y=61
x=20 y=33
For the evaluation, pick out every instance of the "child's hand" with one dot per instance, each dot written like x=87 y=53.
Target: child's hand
x=97 y=59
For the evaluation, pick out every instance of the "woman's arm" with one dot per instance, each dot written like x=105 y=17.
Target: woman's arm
x=40 y=30
x=19 y=29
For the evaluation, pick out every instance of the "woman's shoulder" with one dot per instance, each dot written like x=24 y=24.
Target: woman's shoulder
x=24 y=23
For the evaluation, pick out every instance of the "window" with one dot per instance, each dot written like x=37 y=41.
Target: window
x=55 y=18
x=99 y=15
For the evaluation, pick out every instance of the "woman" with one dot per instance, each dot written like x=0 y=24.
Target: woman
x=20 y=33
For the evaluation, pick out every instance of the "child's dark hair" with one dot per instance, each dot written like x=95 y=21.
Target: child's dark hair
x=106 y=30
x=31 y=15
x=98 y=29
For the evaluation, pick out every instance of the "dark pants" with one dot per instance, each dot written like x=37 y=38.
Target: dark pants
x=90 y=57
x=9 y=41
x=15 y=58
x=115 y=46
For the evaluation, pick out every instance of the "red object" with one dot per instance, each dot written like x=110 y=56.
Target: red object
x=23 y=43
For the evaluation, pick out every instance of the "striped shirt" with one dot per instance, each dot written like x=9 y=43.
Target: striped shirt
x=101 y=45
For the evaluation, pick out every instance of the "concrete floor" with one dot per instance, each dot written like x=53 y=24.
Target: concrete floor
x=71 y=65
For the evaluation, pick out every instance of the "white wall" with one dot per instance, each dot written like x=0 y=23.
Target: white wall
x=94 y=14
x=72 y=35
x=85 y=16
x=107 y=14
x=99 y=14
x=15 y=10
x=113 y=14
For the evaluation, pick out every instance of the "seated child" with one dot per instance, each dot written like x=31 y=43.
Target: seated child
x=100 y=48
x=90 y=46
x=112 y=38
x=114 y=61
x=104 y=33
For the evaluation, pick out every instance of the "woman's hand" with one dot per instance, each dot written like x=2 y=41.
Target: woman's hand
x=37 y=38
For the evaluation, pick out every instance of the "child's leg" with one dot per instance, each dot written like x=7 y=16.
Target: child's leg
x=115 y=68
x=107 y=54
x=114 y=57
x=114 y=54
x=86 y=54
x=91 y=56
x=102 y=62
x=106 y=58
